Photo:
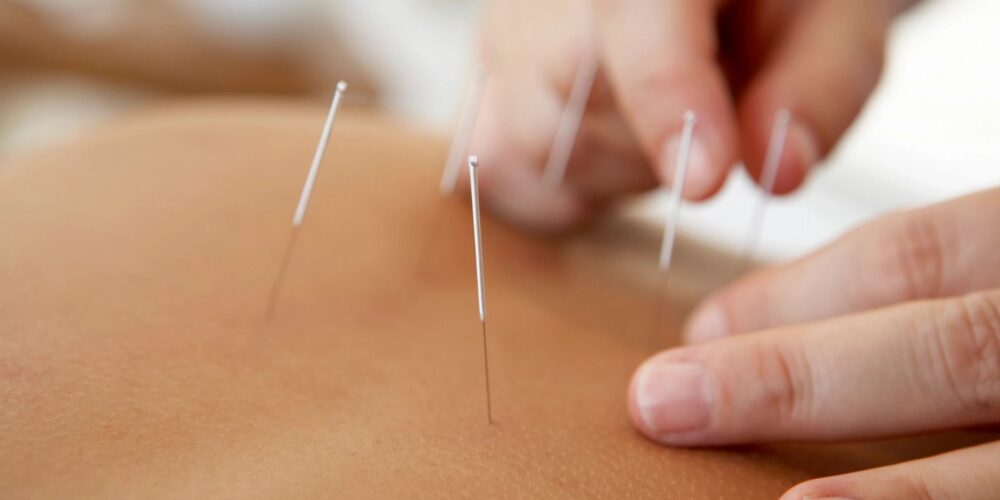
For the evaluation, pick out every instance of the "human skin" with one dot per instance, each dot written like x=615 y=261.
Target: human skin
x=735 y=63
x=893 y=330
x=136 y=362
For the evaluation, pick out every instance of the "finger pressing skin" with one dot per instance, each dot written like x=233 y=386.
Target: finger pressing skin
x=917 y=367
x=928 y=253
x=822 y=70
x=969 y=474
x=661 y=60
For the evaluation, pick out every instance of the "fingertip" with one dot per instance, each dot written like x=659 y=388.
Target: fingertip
x=670 y=399
x=818 y=489
x=800 y=149
x=802 y=153
x=634 y=411
x=514 y=193
x=640 y=390
x=510 y=184
x=705 y=174
x=707 y=323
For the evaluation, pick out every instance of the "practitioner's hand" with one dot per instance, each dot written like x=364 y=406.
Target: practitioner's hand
x=893 y=330
x=734 y=62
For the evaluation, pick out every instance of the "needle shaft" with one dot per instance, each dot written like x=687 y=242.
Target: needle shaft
x=480 y=275
x=477 y=234
x=676 y=193
x=300 y=210
x=569 y=124
x=486 y=367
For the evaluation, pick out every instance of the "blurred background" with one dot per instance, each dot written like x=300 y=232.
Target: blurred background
x=931 y=132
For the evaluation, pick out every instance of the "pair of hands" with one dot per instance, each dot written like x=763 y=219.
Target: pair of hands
x=895 y=329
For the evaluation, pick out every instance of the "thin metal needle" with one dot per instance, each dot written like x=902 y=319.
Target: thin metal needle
x=769 y=174
x=463 y=133
x=486 y=369
x=569 y=124
x=480 y=278
x=300 y=210
x=670 y=227
x=676 y=192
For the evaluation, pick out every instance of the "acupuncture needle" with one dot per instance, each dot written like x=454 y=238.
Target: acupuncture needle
x=769 y=174
x=569 y=124
x=463 y=132
x=676 y=193
x=671 y=224
x=304 y=197
x=477 y=233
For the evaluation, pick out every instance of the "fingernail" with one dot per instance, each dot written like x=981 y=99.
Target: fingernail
x=708 y=323
x=699 y=178
x=804 y=145
x=673 y=397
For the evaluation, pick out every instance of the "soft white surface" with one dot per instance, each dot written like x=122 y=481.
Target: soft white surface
x=420 y=50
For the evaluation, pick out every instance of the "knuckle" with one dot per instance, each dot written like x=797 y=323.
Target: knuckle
x=925 y=482
x=785 y=384
x=969 y=346
x=909 y=261
x=919 y=487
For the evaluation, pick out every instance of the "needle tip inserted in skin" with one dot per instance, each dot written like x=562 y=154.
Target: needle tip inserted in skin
x=304 y=197
x=480 y=277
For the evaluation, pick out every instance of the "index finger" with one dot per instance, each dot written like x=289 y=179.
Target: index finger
x=932 y=252
x=922 y=366
x=661 y=60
